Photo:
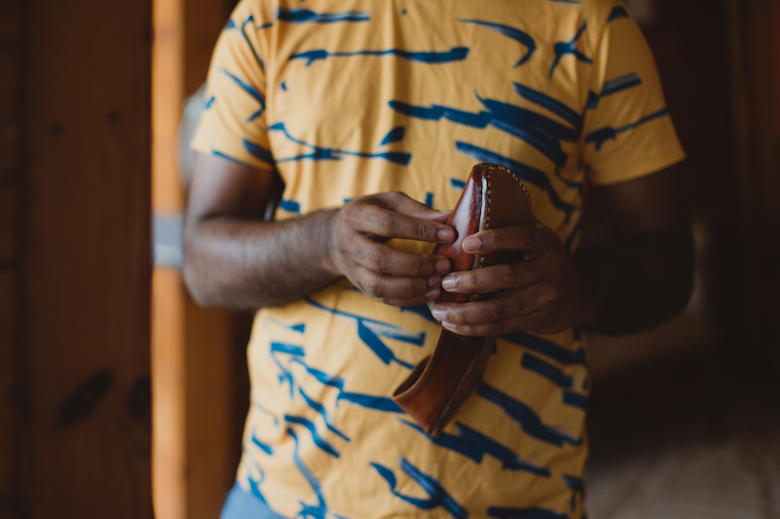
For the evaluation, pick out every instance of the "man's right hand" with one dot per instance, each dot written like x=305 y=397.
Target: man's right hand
x=235 y=259
x=358 y=248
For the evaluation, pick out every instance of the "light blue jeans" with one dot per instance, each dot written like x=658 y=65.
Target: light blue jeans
x=240 y=504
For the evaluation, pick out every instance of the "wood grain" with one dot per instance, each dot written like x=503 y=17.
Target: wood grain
x=86 y=261
x=7 y=380
x=211 y=439
x=10 y=21
x=212 y=442
x=169 y=402
x=7 y=224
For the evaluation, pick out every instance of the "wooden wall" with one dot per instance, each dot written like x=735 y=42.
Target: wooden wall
x=74 y=259
x=199 y=370
x=10 y=165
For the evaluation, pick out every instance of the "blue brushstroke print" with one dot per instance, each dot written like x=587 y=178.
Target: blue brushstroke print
x=299 y=327
x=525 y=417
x=429 y=57
x=260 y=407
x=318 y=440
x=600 y=136
x=547 y=370
x=510 y=32
x=613 y=86
x=369 y=331
x=617 y=12
x=563 y=48
x=290 y=205
x=438 y=496
x=259 y=152
x=287 y=349
x=249 y=89
x=319 y=153
x=542 y=133
x=577 y=487
x=263 y=446
x=320 y=510
x=284 y=14
x=254 y=484
x=378 y=403
x=228 y=157
x=569 y=241
x=475 y=445
x=523 y=513
x=251 y=20
x=395 y=135
x=457 y=184
x=550 y=103
x=569 y=183
x=319 y=408
x=575 y=400
x=547 y=348
x=526 y=173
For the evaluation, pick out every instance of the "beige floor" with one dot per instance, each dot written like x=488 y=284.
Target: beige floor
x=733 y=476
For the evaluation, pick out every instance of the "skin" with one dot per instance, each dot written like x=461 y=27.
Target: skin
x=235 y=259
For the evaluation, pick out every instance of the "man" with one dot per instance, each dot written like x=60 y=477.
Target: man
x=372 y=113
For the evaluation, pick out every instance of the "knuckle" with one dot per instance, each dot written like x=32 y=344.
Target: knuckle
x=421 y=229
x=498 y=311
x=376 y=260
x=511 y=273
x=384 y=224
x=375 y=287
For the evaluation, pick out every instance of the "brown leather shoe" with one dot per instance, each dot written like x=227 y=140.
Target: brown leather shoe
x=493 y=198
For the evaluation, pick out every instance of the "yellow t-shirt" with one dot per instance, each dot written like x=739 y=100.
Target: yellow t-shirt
x=355 y=97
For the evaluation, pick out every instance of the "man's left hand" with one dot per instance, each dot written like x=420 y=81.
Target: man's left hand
x=542 y=294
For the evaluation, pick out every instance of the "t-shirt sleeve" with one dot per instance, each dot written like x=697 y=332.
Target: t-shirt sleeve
x=233 y=123
x=627 y=131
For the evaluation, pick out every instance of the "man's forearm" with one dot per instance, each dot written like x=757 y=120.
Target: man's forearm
x=638 y=284
x=239 y=263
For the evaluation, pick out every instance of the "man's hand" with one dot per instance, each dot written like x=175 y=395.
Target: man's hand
x=645 y=278
x=358 y=248
x=541 y=294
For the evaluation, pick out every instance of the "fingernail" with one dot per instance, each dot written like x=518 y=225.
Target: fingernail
x=449 y=326
x=435 y=281
x=439 y=314
x=433 y=294
x=443 y=265
x=471 y=244
x=445 y=235
x=449 y=282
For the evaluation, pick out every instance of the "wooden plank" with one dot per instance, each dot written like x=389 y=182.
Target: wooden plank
x=7 y=224
x=169 y=436
x=10 y=21
x=85 y=291
x=169 y=460
x=203 y=22
x=9 y=150
x=7 y=364
x=209 y=411
x=10 y=79
x=210 y=371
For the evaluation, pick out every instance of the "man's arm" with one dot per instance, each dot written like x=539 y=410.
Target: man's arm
x=236 y=260
x=645 y=279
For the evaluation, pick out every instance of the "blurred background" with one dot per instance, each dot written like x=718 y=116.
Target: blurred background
x=98 y=342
